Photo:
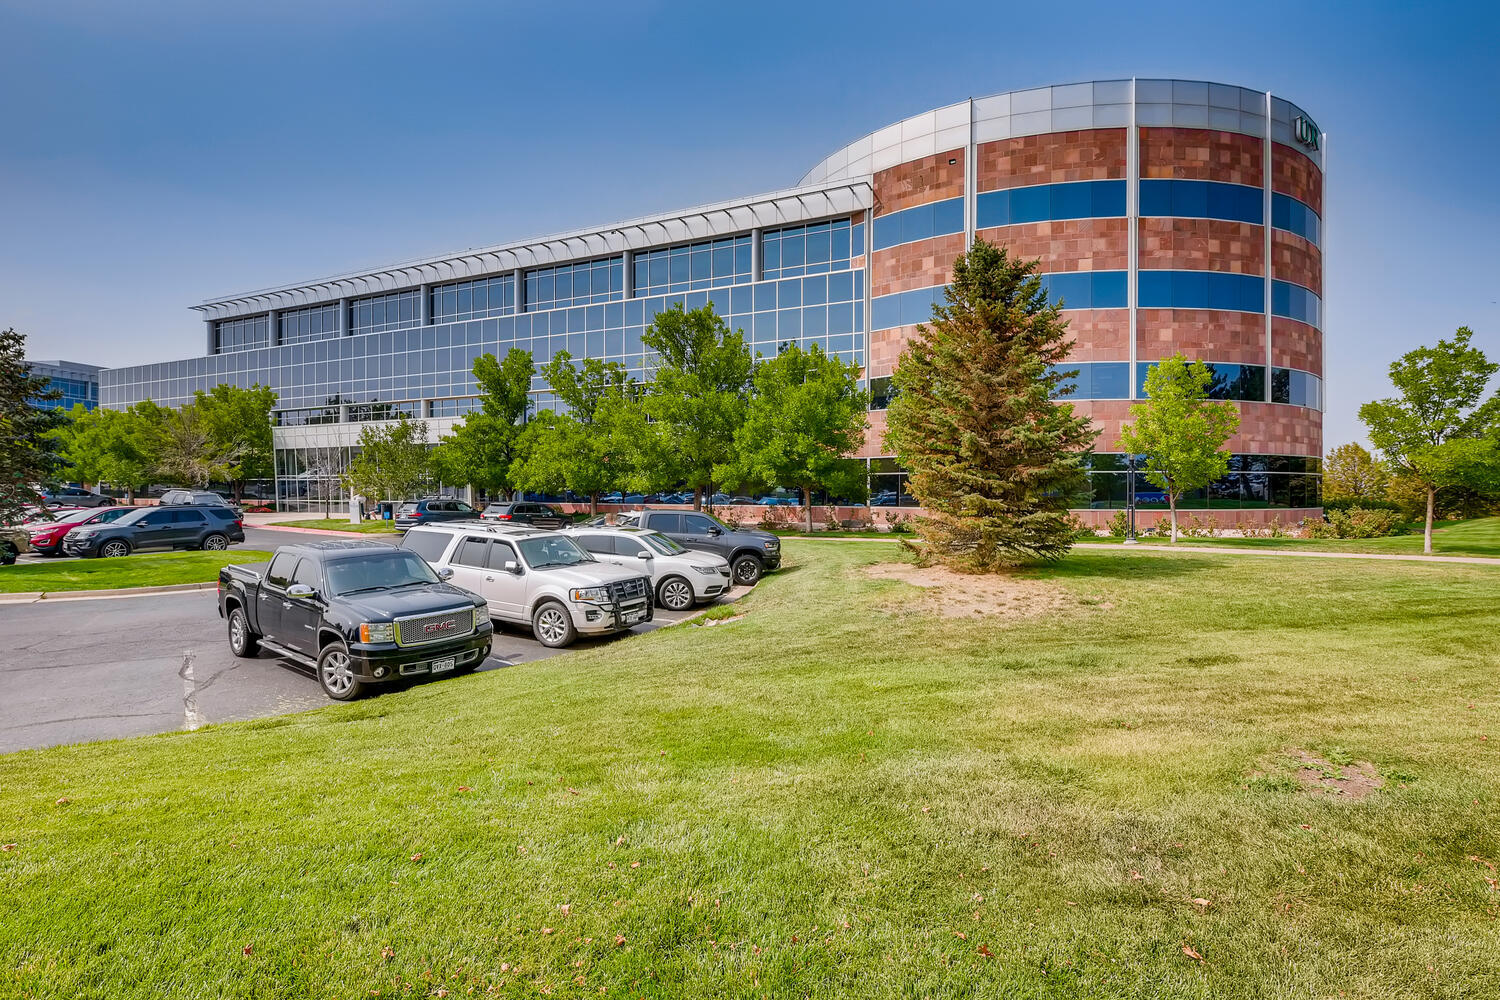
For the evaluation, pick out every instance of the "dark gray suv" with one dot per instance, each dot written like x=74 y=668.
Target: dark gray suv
x=182 y=526
x=750 y=553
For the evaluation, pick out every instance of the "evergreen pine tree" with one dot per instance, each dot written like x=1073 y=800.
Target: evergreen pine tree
x=995 y=459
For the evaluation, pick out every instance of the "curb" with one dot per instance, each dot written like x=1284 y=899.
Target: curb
x=55 y=595
x=319 y=531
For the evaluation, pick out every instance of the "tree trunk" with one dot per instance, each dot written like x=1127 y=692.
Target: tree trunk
x=807 y=499
x=697 y=498
x=130 y=496
x=1427 y=531
x=594 y=504
x=1172 y=504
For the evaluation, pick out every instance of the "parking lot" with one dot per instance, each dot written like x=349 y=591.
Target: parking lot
x=82 y=668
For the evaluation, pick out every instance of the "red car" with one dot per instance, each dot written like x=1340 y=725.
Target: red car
x=47 y=536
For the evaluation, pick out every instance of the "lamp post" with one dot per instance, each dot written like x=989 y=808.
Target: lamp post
x=1130 y=501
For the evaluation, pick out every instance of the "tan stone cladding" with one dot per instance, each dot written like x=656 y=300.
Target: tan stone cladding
x=1201 y=154
x=917 y=182
x=1265 y=428
x=1202 y=245
x=1067 y=245
x=874 y=444
x=1056 y=157
x=1207 y=334
x=1099 y=334
x=884 y=347
x=1296 y=345
x=1296 y=175
x=919 y=264
x=1295 y=259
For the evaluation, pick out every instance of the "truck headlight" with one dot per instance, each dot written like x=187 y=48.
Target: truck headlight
x=481 y=615
x=706 y=570
x=772 y=543
x=377 y=632
x=592 y=595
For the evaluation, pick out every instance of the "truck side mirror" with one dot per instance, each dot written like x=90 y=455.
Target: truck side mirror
x=445 y=573
x=301 y=591
x=716 y=531
x=511 y=566
x=643 y=555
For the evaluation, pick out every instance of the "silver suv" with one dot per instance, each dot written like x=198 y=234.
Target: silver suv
x=682 y=577
x=541 y=579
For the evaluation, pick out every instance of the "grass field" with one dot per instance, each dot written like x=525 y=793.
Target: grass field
x=1480 y=537
x=340 y=524
x=843 y=794
x=148 y=569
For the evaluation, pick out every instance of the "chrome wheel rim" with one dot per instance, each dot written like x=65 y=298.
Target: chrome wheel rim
x=237 y=631
x=216 y=542
x=745 y=572
x=337 y=677
x=551 y=625
x=676 y=595
x=113 y=550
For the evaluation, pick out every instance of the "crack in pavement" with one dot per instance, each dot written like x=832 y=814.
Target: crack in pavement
x=192 y=718
x=83 y=718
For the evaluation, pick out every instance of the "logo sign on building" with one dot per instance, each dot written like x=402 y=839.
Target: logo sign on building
x=1305 y=132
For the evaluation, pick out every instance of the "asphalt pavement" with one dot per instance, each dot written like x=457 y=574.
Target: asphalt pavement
x=77 y=669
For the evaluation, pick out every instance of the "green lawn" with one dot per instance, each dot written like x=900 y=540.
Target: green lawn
x=1480 y=537
x=157 y=569
x=840 y=795
x=340 y=524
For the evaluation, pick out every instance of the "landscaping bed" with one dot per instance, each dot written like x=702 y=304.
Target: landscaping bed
x=381 y=527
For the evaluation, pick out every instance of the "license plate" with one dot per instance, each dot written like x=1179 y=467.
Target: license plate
x=438 y=666
x=631 y=617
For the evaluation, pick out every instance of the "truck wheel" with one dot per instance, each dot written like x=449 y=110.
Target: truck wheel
x=675 y=594
x=336 y=673
x=552 y=625
x=115 y=548
x=242 y=641
x=747 y=570
x=215 y=543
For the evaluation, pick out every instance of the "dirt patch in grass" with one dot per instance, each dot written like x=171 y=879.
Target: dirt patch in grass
x=970 y=595
x=1314 y=775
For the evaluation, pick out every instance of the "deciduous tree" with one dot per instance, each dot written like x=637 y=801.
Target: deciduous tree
x=238 y=424
x=1440 y=431
x=1352 y=473
x=1179 y=431
x=807 y=414
x=121 y=447
x=392 y=463
x=581 y=449
x=483 y=446
x=994 y=458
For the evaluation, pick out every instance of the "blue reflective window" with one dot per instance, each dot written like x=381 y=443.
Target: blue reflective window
x=939 y=218
x=579 y=284
x=905 y=308
x=1202 y=200
x=465 y=300
x=1296 y=302
x=1097 y=379
x=813 y=249
x=1299 y=388
x=1240 y=382
x=1049 y=202
x=1294 y=216
x=1088 y=289
x=1201 y=290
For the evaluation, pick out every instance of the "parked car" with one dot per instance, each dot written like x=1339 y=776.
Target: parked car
x=73 y=496
x=13 y=542
x=358 y=612
x=207 y=526
x=537 y=579
x=176 y=498
x=47 y=536
x=750 y=553
x=433 y=509
x=538 y=515
x=680 y=577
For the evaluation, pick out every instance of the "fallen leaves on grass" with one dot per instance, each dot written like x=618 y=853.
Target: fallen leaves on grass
x=1189 y=951
x=417 y=857
x=985 y=951
x=546 y=930
x=565 y=909
x=619 y=940
x=249 y=949
x=7 y=847
x=387 y=953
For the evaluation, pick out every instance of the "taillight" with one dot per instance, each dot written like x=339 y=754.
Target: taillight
x=502 y=517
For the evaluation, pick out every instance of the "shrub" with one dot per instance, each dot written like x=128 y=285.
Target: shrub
x=1198 y=527
x=1359 y=522
x=1359 y=503
x=900 y=525
x=1081 y=531
x=1119 y=524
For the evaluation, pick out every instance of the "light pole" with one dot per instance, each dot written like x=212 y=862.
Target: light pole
x=1130 y=501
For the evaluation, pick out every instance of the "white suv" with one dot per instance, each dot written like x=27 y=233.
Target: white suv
x=536 y=578
x=681 y=577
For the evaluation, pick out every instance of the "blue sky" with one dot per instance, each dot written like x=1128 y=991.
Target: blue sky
x=154 y=154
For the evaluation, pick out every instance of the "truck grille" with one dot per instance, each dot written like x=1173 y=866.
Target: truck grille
x=623 y=591
x=431 y=628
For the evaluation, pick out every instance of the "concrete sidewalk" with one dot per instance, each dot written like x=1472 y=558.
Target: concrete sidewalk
x=1215 y=550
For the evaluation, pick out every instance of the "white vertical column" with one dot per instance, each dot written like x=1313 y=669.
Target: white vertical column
x=1133 y=223
x=208 y=329
x=344 y=325
x=273 y=329
x=424 y=304
x=518 y=278
x=628 y=262
x=756 y=271
x=1265 y=181
x=971 y=181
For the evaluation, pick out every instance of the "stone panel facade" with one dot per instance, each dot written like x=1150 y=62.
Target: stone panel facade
x=1295 y=259
x=919 y=264
x=874 y=446
x=1067 y=245
x=1296 y=175
x=1265 y=428
x=884 y=349
x=1086 y=155
x=1201 y=335
x=1099 y=334
x=1202 y=245
x=1201 y=154
x=1296 y=345
x=932 y=178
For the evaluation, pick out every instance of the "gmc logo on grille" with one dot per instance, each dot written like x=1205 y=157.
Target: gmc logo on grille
x=432 y=627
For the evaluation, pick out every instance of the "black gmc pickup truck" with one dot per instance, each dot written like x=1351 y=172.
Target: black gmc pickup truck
x=359 y=612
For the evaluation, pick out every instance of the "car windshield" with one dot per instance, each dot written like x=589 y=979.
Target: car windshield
x=378 y=571
x=554 y=550
x=663 y=544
